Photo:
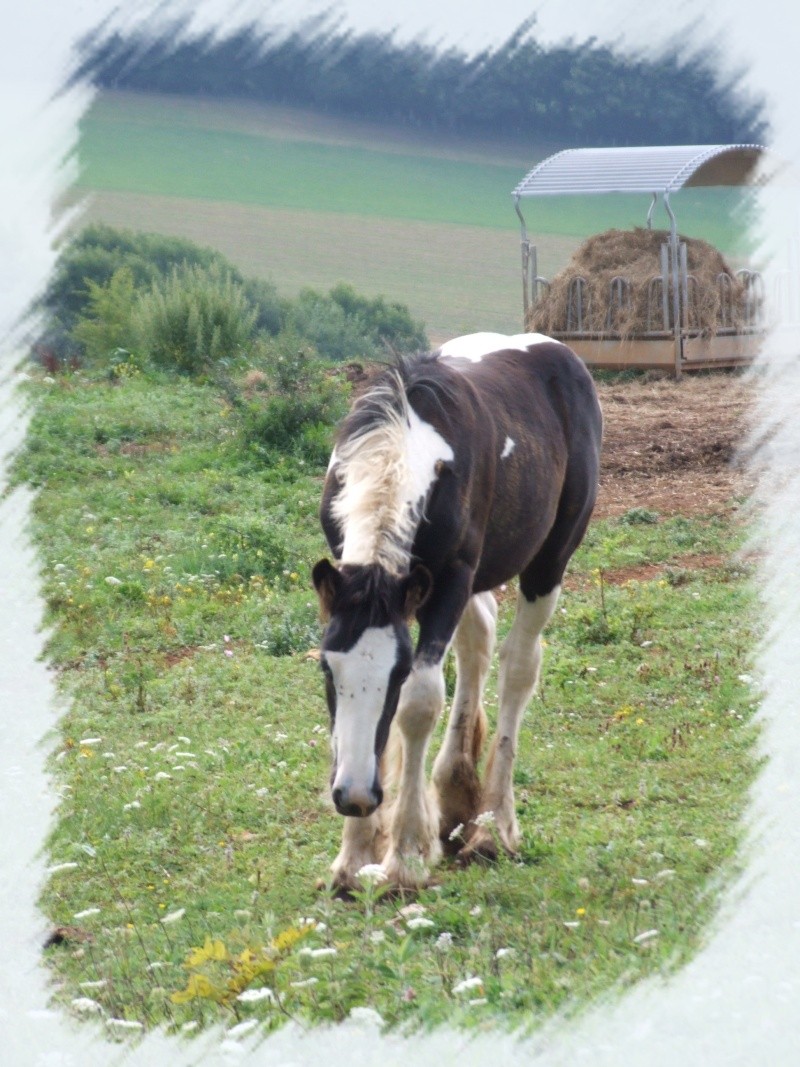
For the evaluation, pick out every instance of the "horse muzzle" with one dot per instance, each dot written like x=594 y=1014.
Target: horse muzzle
x=356 y=802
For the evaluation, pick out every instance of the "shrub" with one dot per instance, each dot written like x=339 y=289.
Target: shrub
x=196 y=318
x=296 y=403
x=106 y=325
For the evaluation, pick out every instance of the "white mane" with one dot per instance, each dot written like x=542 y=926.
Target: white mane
x=384 y=473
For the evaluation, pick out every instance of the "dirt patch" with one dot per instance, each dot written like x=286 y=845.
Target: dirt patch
x=671 y=447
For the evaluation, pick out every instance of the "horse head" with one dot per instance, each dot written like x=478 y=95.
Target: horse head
x=366 y=656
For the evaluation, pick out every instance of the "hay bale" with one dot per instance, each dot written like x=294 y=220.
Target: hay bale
x=634 y=255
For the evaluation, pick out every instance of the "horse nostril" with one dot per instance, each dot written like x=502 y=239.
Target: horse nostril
x=337 y=798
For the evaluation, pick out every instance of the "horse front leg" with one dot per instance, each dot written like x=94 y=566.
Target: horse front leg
x=363 y=842
x=413 y=845
x=455 y=773
x=520 y=660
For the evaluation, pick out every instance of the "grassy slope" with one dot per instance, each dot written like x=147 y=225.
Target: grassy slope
x=312 y=200
x=193 y=762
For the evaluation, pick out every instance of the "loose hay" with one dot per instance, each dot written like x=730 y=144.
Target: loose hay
x=634 y=255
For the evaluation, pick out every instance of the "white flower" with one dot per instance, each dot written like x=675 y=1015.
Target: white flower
x=93 y=985
x=86 y=1004
x=250 y=996
x=304 y=983
x=365 y=1015
x=318 y=953
x=419 y=922
x=242 y=1028
x=173 y=916
x=90 y=741
x=444 y=942
x=456 y=831
x=478 y=1000
x=188 y=1027
x=486 y=818
x=572 y=925
x=133 y=804
x=86 y=913
x=111 y=580
x=125 y=1024
x=503 y=952
x=645 y=935
x=377 y=936
x=161 y=776
x=476 y=910
x=640 y=881
x=61 y=867
x=372 y=873
x=668 y=872
x=473 y=982
x=701 y=842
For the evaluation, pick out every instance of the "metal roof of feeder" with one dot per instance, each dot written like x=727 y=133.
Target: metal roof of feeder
x=640 y=170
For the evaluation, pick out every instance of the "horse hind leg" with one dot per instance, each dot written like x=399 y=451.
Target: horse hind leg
x=520 y=660
x=455 y=774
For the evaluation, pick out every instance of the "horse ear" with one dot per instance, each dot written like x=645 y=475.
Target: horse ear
x=416 y=590
x=327 y=581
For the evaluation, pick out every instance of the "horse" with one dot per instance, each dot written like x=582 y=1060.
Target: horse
x=454 y=472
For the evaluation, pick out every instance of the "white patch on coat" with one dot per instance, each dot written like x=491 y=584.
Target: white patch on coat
x=361 y=681
x=386 y=474
x=508 y=448
x=475 y=346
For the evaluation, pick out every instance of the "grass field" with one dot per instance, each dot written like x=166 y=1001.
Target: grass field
x=194 y=826
x=307 y=200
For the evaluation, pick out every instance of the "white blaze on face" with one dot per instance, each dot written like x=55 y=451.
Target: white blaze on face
x=361 y=682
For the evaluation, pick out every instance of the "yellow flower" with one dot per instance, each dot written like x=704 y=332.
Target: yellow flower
x=149 y=564
x=580 y=911
x=640 y=722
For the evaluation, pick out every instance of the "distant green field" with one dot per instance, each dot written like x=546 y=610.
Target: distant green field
x=309 y=200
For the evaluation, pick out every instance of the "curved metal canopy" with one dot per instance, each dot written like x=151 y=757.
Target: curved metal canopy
x=640 y=170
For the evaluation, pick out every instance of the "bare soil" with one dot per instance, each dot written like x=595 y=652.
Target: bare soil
x=672 y=447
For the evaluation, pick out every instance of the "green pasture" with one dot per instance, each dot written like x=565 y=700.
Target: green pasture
x=305 y=199
x=188 y=863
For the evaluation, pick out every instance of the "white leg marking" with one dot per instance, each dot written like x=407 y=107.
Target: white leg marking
x=414 y=830
x=454 y=772
x=520 y=659
x=363 y=842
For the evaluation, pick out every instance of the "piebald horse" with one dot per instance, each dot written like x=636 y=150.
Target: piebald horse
x=453 y=473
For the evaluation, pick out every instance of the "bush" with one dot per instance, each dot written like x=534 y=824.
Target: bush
x=195 y=319
x=106 y=325
x=99 y=252
x=297 y=402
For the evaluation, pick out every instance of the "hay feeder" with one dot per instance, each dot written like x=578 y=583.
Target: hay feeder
x=678 y=317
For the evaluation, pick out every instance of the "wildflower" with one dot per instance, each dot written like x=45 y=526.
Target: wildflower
x=645 y=935
x=475 y=912
x=242 y=1028
x=419 y=922
x=486 y=818
x=133 y=804
x=305 y=982
x=318 y=953
x=56 y=868
x=86 y=913
x=572 y=925
x=640 y=881
x=250 y=996
x=473 y=982
x=444 y=942
x=173 y=916
x=377 y=936
x=90 y=741
x=160 y=776
x=86 y=1004
x=111 y=580
x=477 y=1001
x=456 y=831
x=580 y=912
x=93 y=985
x=125 y=1024
x=503 y=952
x=371 y=873
x=363 y=1014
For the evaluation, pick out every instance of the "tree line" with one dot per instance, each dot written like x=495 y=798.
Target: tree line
x=570 y=93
